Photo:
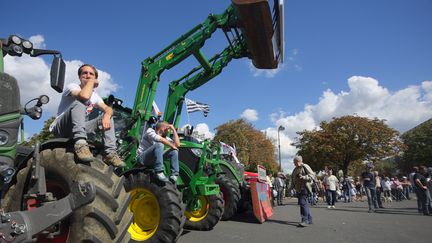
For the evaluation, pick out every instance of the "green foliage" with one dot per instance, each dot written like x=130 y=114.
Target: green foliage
x=42 y=136
x=346 y=141
x=386 y=167
x=253 y=148
x=419 y=146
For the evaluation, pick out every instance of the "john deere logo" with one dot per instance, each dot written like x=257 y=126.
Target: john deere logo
x=170 y=56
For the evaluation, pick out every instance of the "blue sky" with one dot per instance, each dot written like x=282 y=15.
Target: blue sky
x=368 y=57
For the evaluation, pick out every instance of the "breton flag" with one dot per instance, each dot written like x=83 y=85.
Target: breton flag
x=193 y=106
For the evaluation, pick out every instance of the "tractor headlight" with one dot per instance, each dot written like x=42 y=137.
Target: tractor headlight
x=17 y=49
x=197 y=152
x=4 y=137
x=43 y=99
x=16 y=40
x=27 y=44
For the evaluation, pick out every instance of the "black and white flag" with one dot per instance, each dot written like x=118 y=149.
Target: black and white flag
x=193 y=106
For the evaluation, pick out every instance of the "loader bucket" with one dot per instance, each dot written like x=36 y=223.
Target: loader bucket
x=262 y=28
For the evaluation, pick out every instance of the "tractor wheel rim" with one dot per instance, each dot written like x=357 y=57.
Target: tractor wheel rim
x=200 y=213
x=146 y=214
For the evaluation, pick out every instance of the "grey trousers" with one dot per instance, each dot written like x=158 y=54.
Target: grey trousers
x=73 y=124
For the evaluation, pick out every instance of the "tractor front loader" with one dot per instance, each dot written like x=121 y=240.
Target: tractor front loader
x=253 y=29
x=47 y=195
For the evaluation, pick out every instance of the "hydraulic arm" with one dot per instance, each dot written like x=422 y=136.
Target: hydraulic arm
x=250 y=29
x=187 y=45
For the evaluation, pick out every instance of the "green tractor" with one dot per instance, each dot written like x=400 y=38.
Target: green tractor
x=253 y=30
x=47 y=195
x=231 y=179
x=263 y=45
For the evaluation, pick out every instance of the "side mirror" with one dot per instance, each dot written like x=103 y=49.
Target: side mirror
x=58 y=69
x=111 y=100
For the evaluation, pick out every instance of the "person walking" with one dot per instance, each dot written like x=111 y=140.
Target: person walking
x=331 y=182
x=378 y=189
x=302 y=178
x=359 y=190
x=415 y=170
x=422 y=190
x=398 y=189
x=369 y=187
x=406 y=188
x=386 y=186
x=347 y=189
x=279 y=186
x=429 y=186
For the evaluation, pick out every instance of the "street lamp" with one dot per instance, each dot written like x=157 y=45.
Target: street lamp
x=280 y=128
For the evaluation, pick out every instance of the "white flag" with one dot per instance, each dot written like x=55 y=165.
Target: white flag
x=193 y=106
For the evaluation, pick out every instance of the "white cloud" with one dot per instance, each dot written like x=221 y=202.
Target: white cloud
x=33 y=76
x=402 y=110
x=38 y=41
x=249 y=115
x=203 y=131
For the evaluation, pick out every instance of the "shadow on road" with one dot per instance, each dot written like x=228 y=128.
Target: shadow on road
x=379 y=211
x=271 y=221
x=246 y=217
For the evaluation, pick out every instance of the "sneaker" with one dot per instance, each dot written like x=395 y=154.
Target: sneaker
x=161 y=176
x=114 y=159
x=332 y=206
x=302 y=225
x=173 y=178
x=82 y=151
x=329 y=207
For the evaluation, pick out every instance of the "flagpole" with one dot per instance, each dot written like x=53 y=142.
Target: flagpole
x=187 y=112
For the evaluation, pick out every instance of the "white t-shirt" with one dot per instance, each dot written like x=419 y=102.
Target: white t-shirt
x=67 y=99
x=331 y=182
x=149 y=138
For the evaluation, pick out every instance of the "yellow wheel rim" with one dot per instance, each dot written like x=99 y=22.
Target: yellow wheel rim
x=200 y=213
x=146 y=214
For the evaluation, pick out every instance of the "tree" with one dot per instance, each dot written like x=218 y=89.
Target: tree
x=42 y=136
x=345 y=142
x=419 y=146
x=253 y=148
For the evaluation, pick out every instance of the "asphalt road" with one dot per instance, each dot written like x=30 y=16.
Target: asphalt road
x=348 y=222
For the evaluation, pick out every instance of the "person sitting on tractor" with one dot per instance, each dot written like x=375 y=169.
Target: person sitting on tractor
x=151 y=150
x=72 y=117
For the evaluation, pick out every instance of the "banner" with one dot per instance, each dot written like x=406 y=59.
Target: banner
x=260 y=201
x=262 y=173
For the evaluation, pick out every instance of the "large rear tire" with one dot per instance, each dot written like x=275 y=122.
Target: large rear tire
x=231 y=196
x=106 y=219
x=157 y=208
x=207 y=216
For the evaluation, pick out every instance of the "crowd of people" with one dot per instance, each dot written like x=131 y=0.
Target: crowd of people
x=370 y=186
